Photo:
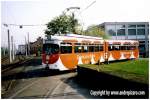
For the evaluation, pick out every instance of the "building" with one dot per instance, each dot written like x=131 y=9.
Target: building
x=21 y=49
x=36 y=46
x=129 y=31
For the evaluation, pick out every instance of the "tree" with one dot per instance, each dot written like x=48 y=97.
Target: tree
x=95 y=30
x=4 y=52
x=62 y=24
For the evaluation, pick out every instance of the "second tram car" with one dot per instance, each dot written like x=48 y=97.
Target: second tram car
x=67 y=51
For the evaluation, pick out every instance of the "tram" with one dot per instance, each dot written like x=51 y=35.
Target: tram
x=65 y=52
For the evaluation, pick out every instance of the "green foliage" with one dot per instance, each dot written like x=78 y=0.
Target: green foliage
x=62 y=24
x=94 y=30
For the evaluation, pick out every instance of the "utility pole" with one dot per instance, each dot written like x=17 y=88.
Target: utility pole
x=15 y=49
x=28 y=45
x=73 y=17
x=25 y=46
x=4 y=51
x=88 y=6
x=9 y=51
x=12 y=44
x=84 y=10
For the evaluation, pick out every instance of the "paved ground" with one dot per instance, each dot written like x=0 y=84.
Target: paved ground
x=33 y=81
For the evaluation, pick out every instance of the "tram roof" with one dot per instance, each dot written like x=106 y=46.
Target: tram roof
x=74 y=36
x=121 y=41
x=79 y=38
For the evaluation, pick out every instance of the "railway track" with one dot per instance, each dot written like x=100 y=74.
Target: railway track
x=8 y=84
x=5 y=60
x=12 y=68
x=13 y=65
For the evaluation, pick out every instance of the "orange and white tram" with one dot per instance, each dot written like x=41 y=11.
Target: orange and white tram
x=66 y=52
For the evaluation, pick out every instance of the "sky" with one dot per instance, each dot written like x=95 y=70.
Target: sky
x=40 y=12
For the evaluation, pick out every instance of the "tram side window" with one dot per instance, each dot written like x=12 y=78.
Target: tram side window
x=78 y=49
x=123 y=47
x=111 y=48
x=66 y=49
x=101 y=48
x=132 y=47
x=91 y=48
x=128 y=47
x=85 y=48
x=96 y=48
x=114 y=47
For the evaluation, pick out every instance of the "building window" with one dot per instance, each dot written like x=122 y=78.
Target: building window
x=120 y=26
x=142 y=42
x=111 y=30
x=141 y=26
x=131 y=31
x=121 y=32
x=140 y=31
x=131 y=26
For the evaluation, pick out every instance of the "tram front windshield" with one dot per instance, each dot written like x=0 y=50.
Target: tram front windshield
x=51 y=49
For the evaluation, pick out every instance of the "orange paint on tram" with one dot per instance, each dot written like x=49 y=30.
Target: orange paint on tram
x=66 y=52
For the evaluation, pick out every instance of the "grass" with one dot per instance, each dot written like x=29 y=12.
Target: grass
x=134 y=70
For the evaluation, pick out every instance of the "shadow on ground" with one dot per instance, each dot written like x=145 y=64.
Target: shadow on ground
x=32 y=73
x=93 y=82
x=34 y=62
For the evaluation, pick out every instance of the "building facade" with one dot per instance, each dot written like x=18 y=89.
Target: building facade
x=129 y=31
x=36 y=47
